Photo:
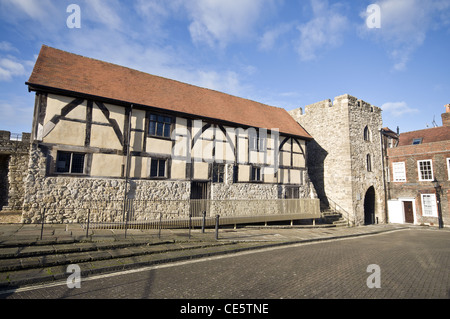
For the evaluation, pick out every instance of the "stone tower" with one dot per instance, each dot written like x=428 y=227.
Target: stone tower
x=345 y=159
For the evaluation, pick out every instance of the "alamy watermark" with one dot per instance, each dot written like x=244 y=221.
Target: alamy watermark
x=74 y=279
x=74 y=19
x=374 y=280
x=373 y=20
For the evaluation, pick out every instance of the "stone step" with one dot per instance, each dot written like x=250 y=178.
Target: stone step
x=23 y=277
x=49 y=257
x=10 y=217
x=340 y=223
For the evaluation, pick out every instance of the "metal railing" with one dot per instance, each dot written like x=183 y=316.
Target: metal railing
x=337 y=208
x=176 y=214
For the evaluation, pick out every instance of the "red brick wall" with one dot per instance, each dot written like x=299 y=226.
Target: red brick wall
x=438 y=152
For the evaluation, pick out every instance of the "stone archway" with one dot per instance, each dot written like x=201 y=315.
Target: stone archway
x=4 y=184
x=369 y=207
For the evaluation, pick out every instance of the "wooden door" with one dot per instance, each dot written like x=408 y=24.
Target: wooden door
x=409 y=213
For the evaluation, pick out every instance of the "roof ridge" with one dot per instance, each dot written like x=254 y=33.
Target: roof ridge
x=425 y=129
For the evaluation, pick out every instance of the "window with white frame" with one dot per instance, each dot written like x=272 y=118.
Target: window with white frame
x=256 y=142
x=399 y=172
x=425 y=169
x=429 y=207
x=448 y=167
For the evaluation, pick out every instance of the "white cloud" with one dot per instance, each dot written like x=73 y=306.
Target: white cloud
x=269 y=38
x=398 y=109
x=42 y=10
x=404 y=26
x=324 y=31
x=221 y=22
x=6 y=46
x=105 y=12
x=10 y=69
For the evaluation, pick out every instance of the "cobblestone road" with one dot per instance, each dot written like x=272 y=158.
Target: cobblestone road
x=412 y=263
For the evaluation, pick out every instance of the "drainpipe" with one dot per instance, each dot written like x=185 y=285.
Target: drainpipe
x=384 y=176
x=127 y=167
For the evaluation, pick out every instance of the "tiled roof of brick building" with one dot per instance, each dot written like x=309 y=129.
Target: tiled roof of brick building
x=430 y=135
x=67 y=72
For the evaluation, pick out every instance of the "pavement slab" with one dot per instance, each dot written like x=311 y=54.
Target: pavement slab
x=26 y=259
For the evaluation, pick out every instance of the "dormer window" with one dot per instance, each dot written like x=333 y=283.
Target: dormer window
x=417 y=141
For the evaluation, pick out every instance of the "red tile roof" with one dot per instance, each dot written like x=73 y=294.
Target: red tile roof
x=56 y=69
x=431 y=135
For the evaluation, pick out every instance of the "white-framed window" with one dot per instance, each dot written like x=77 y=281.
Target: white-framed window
x=429 y=207
x=448 y=167
x=425 y=169
x=257 y=143
x=399 y=172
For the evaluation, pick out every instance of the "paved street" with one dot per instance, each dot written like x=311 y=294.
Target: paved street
x=413 y=263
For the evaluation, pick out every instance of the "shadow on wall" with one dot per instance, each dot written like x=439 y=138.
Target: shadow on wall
x=315 y=164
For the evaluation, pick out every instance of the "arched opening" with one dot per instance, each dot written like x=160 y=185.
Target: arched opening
x=369 y=207
x=367 y=134
x=4 y=183
x=369 y=163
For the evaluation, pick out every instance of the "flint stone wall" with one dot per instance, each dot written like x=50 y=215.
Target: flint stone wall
x=14 y=156
x=337 y=161
x=70 y=199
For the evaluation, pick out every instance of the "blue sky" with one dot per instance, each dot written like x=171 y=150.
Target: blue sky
x=284 y=53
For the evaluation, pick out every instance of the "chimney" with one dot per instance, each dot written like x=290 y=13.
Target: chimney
x=446 y=116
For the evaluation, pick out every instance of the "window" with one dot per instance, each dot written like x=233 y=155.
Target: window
x=159 y=125
x=417 y=141
x=369 y=163
x=158 y=168
x=71 y=163
x=367 y=134
x=448 y=167
x=256 y=174
x=399 y=172
x=429 y=205
x=218 y=173
x=292 y=192
x=256 y=143
x=425 y=170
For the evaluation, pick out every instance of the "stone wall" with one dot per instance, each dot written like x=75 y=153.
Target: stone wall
x=67 y=199
x=14 y=155
x=337 y=158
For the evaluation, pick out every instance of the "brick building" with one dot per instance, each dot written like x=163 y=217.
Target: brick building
x=419 y=176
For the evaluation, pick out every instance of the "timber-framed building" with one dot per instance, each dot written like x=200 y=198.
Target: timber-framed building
x=102 y=131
